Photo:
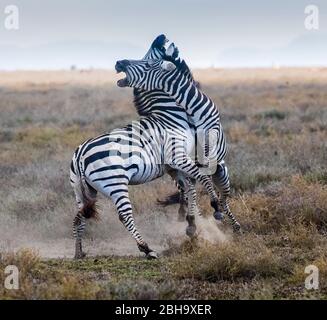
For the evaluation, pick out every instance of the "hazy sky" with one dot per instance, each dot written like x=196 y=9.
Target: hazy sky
x=58 y=33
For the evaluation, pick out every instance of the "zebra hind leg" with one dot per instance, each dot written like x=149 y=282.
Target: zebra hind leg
x=188 y=167
x=221 y=180
x=182 y=184
x=88 y=210
x=86 y=201
x=78 y=230
x=120 y=197
x=187 y=191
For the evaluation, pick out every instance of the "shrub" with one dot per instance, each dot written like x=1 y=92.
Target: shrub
x=273 y=114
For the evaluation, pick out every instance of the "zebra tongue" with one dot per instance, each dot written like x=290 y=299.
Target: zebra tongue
x=122 y=82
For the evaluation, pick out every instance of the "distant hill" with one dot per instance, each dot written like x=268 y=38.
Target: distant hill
x=308 y=49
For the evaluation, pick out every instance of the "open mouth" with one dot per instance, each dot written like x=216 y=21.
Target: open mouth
x=122 y=82
x=121 y=67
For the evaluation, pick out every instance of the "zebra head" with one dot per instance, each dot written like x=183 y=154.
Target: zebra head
x=144 y=74
x=155 y=73
x=150 y=74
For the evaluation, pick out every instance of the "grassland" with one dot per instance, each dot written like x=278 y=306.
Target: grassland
x=276 y=125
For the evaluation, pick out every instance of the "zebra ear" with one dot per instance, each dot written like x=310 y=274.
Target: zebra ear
x=172 y=51
x=159 y=42
x=168 y=66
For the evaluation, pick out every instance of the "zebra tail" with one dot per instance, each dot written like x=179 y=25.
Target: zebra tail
x=83 y=192
x=89 y=209
x=169 y=200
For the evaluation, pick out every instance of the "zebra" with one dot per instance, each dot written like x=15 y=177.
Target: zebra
x=171 y=75
x=137 y=153
x=147 y=102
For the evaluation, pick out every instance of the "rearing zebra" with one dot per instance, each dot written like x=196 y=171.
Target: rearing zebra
x=140 y=152
x=171 y=76
x=152 y=101
x=148 y=101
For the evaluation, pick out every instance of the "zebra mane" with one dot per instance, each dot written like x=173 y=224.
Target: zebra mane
x=179 y=63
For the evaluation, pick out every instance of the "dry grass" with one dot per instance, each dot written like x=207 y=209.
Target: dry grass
x=229 y=261
x=276 y=126
x=284 y=205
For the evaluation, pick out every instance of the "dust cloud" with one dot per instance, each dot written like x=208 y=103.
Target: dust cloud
x=52 y=238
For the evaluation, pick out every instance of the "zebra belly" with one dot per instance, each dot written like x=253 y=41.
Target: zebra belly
x=149 y=163
x=148 y=175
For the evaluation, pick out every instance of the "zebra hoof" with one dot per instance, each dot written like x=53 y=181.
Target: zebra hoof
x=237 y=228
x=218 y=216
x=152 y=255
x=190 y=231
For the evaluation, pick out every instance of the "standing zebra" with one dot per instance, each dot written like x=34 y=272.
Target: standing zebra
x=138 y=153
x=171 y=75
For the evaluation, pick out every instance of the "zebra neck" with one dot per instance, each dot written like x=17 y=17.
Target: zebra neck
x=200 y=109
x=172 y=115
x=154 y=101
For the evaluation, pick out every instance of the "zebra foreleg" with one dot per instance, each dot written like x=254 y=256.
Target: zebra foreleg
x=120 y=198
x=221 y=180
